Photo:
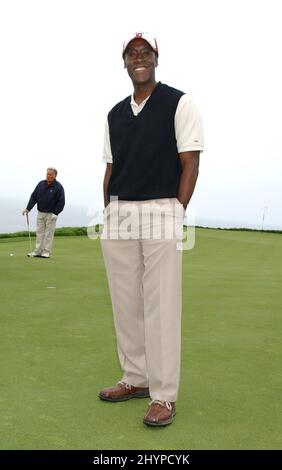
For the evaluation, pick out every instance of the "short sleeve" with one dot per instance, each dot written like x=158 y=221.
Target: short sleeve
x=107 y=151
x=189 y=130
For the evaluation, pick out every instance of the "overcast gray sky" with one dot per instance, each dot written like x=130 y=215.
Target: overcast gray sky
x=61 y=72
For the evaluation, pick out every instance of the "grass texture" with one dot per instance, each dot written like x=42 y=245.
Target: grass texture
x=58 y=349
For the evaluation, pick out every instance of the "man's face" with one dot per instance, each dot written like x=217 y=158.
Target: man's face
x=51 y=176
x=140 y=61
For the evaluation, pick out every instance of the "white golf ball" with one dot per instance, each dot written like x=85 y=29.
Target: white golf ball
x=11 y=254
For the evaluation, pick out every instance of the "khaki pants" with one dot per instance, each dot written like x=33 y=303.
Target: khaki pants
x=45 y=228
x=145 y=276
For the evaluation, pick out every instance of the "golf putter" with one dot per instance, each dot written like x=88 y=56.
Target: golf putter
x=27 y=219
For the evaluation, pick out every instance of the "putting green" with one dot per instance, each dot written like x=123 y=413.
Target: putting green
x=58 y=349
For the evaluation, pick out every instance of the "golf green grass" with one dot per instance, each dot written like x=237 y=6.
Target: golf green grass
x=58 y=349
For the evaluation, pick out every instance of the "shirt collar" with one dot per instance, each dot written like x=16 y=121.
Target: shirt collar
x=49 y=185
x=133 y=102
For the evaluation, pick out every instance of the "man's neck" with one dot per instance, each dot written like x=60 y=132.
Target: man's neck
x=141 y=92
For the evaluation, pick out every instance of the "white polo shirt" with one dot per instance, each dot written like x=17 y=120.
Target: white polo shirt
x=187 y=123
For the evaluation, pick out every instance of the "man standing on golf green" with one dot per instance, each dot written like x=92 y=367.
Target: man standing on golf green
x=153 y=140
x=49 y=196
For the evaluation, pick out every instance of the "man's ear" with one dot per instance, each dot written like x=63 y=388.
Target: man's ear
x=124 y=64
x=156 y=59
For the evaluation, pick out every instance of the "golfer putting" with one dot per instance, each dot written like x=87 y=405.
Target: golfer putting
x=49 y=196
x=152 y=145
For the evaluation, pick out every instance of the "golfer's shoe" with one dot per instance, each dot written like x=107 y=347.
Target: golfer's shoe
x=122 y=392
x=160 y=413
x=45 y=255
x=33 y=254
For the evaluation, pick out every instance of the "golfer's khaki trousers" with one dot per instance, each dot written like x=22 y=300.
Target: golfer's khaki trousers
x=144 y=273
x=45 y=228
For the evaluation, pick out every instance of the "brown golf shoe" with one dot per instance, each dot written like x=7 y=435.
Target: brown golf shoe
x=122 y=392
x=160 y=413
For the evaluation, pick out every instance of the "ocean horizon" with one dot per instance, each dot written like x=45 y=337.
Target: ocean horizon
x=12 y=220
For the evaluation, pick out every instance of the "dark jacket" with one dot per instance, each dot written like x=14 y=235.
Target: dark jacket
x=49 y=198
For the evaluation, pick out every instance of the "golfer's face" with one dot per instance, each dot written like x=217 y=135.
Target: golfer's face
x=140 y=61
x=50 y=177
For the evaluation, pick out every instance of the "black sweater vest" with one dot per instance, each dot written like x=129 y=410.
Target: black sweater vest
x=146 y=164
